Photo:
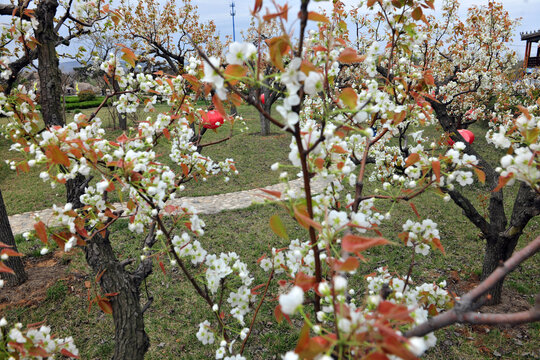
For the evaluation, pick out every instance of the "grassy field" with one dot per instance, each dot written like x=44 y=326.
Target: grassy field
x=253 y=155
x=173 y=318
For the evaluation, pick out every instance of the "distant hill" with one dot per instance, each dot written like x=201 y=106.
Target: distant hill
x=68 y=66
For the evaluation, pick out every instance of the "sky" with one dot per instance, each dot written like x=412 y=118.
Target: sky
x=219 y=11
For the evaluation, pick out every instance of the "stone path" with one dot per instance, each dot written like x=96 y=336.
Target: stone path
x=203 y=204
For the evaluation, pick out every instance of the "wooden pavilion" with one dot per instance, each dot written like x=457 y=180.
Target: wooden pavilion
x=531 y=37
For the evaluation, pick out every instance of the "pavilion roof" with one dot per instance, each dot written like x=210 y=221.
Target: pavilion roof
x=533 y=36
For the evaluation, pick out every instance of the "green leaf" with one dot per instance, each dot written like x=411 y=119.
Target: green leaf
x=278 y=228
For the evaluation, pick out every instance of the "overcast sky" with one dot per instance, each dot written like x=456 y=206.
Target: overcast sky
x=219 y=11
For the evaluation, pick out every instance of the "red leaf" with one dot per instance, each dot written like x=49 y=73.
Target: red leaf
x=219 y=105
x=350 y=55
x=304 y=281
x=304 y=220
x=105 y=305
x=312 y=15
x=349 y=97
x=303 y=340
x=5 y=269
x=167 y=133
x=481 y=175
x=10 y=252
x=412 y=159
x=38 y=352
x=122 y=138
x=162 y=267
x=438 y=245
x=276 y=194
x=503 y=180
x=414 y=209
x=319 y=163
x=436 y=165
x=68 y=354
x=355 y=243
x=41 y=231
x=56 y=155
x=348 y=265
x=278 y=314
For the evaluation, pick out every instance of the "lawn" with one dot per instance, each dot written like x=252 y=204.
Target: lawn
x=173 y=318
x=253 y=155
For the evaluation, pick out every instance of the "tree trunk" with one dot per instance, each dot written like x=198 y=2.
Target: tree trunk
x=501 y=243
x=131 y=341
x=13 y=262
x=270 y=98
x=265 y=125
x=498 y=250
x=48 y=71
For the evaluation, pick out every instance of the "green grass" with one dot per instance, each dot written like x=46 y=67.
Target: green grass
x=173 y=318
x=252 y=153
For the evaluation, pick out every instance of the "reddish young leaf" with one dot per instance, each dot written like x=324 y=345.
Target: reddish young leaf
x=68 y=354
x=398 y=348
x=412 y=159
x=313 y=16
x=319 y=163
x=503 y=180
x=481 y=175
x=276 y=194
x=258 y=7
x=56 y=155
x=438 y=245
x=417 y=13
x=129 y=56
x=219 y=105
x=338 y=149
x=278 y=313
x=10 y=252
x=303 y=340
x=414 y=209
x=162 y=267
x=304 y=281
x=38 y=352
x=348 y=265
x=436 y=166
x=349 y=56
x=354 y=243
x=349 y=97
x=41 y=231
x=304 y=220
x=5 y=269
x=233 y=72
x=105 y=305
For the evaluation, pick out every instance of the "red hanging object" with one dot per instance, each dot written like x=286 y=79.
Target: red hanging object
x=213 y=120
x=262 y=98
x=468 y=135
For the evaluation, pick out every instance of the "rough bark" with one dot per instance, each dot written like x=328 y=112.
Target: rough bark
x=270 y=97
x=48 y=70
x=265 y=123
x=501 y=236
x=13 y=262
x=131 y=340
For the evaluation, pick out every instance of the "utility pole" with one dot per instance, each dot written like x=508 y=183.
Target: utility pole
x=233 y=13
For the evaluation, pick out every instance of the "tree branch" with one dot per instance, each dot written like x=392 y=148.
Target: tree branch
x=461 y=313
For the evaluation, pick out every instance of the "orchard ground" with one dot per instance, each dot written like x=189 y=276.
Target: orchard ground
x=57 y=294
